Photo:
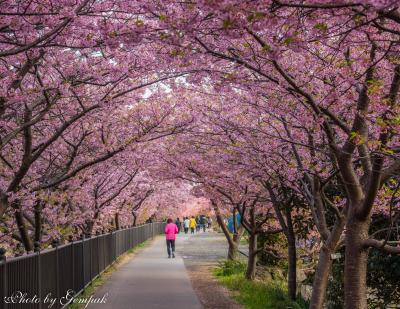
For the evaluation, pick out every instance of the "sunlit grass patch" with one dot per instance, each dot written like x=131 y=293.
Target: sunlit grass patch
x=253 y=294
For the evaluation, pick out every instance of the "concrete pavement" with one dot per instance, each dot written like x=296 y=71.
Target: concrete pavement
x=150 y=280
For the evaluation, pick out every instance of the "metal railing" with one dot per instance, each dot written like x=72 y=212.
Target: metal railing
x=51 y=273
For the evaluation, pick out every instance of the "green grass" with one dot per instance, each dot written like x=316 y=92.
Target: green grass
x=253 y=294
x=244 y=240
x=99 y=281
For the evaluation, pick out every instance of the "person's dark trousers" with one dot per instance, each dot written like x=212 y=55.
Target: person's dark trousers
x=192 y=230
x=170 y=246
x=204 y=227
x=186 y=230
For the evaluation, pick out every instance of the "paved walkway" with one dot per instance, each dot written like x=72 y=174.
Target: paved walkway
x=150 y=280
x=201 y=253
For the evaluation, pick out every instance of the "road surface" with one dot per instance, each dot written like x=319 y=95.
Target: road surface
x=149 y=280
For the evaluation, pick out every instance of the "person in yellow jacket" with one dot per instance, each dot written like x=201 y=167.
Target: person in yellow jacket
x=192 y=224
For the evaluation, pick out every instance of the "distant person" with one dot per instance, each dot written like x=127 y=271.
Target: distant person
x=170 y=234
x=198 y=224
x=203 y=223
x=209 y=222
x=178 y=224
x=186 y=224
x=192 y=225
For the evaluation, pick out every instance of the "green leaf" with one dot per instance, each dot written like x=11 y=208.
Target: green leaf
x=227 y=23
x=321 y=26
x=266 y=48
x=288 y=40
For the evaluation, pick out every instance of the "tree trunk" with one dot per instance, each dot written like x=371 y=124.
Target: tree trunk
x=233 y=251
x=116 y=218
x=89 y=228
x=38 y=222
x=3 y=203
x=232 y=242
x=91 y=223
x=292 y=267
x=321 y=277
x=252 y=260
x=292 y=255
x=134 y=219
x=355 y=266
x=324 y=265
x=23 y=231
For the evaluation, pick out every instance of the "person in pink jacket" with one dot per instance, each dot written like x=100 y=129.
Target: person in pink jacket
x=170 y=234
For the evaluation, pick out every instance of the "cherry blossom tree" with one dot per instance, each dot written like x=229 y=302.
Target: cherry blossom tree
x=254 y=104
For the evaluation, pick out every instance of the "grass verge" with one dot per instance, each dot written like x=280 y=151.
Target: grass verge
x=99 y=281
x=254 y=294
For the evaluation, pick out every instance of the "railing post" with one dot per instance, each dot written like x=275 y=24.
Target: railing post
x=71 y=240
x=115 y=244
x=90 y=257
x=55 y=245
x=98 y=251
x=3 y=261
x=83 y=258
x=103 y=255
x=112 y=232
x=36 y=248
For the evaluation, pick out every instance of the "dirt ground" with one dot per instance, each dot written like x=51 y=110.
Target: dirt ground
x=201 y=252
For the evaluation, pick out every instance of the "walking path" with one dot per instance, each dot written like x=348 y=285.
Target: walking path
x=150 y=280
x=201 y=253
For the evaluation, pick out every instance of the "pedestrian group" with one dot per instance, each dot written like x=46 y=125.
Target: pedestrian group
x=195 y=224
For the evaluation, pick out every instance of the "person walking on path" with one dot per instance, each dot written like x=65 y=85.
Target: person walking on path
x=170 y=234
x=193 y=225
x=186 y=224
x=197 y=224
x=203 y=223
x=178 y=224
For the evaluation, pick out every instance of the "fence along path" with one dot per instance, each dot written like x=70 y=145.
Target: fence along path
x=51 y=273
